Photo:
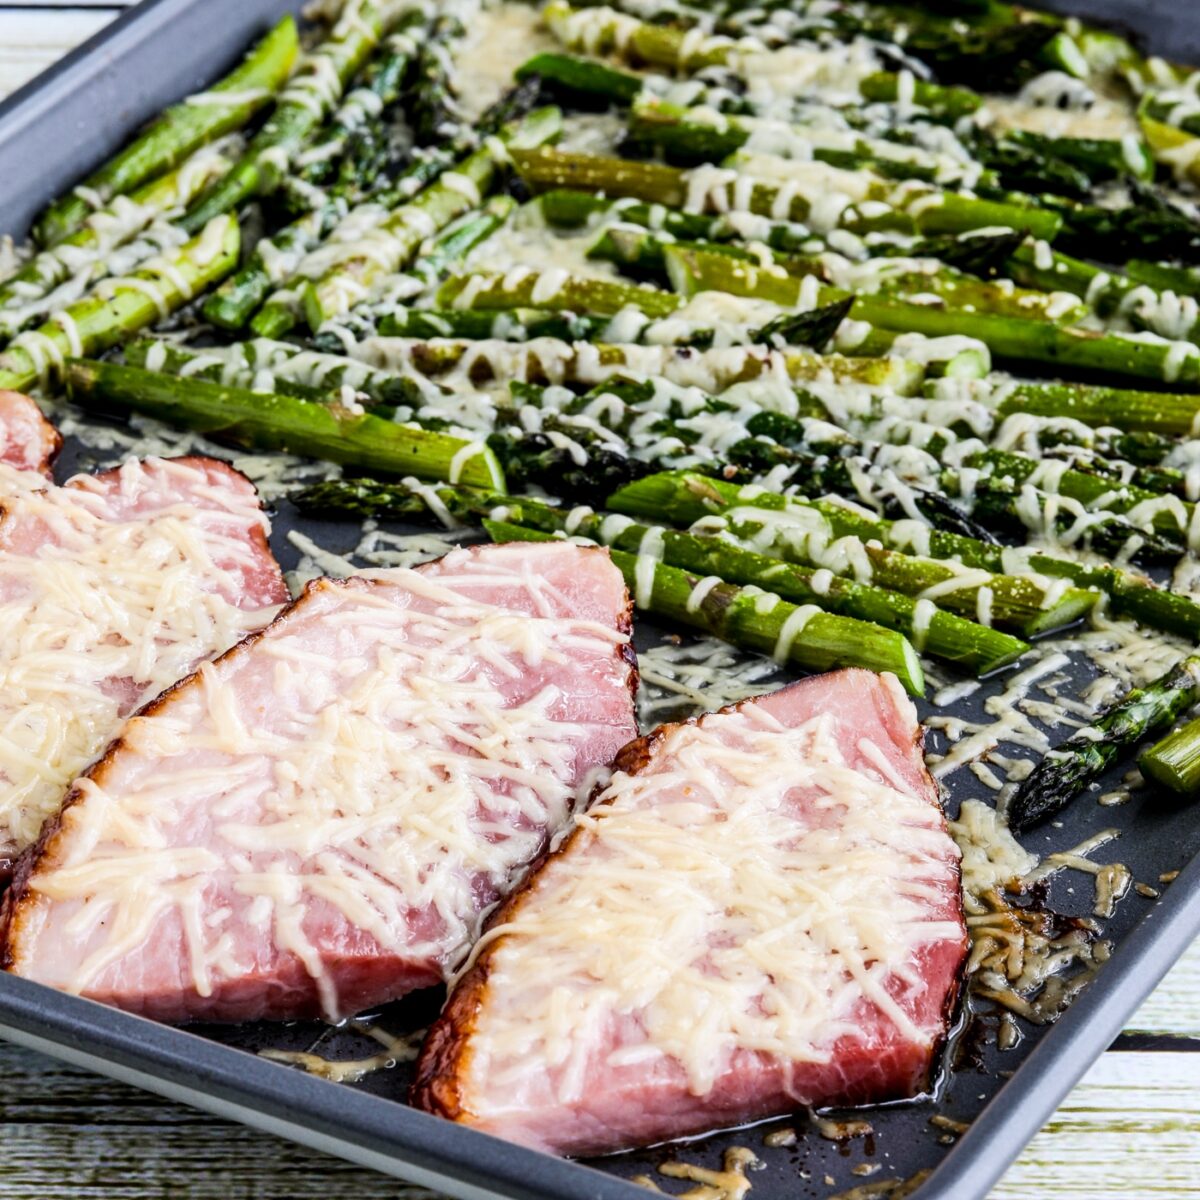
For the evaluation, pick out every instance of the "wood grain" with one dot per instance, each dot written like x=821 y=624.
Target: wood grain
x=31 y=39
x=1131 y=1129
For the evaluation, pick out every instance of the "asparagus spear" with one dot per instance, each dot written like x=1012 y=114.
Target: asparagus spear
x=304 y=103
x=1159 y=413
x=814 y=328
x=291 y=371
x=1013 y=339
x=974 y=252
x=1102 y=158
x=688 y=497
x=228 y=105
x=686 y=137
x=1171 y=515
x=913 y=282
x=398 y=238
x=553 y=290
x=349 y=147
x=1004 y=55
x=1149 y=224
x=85 y=256
x=119 y=307
x=280 y=313
x=971 y=646
x=577 y=80
x=799 y=636
x=1175 y=761
x=1088 y=753
x=563 y=363
x=929 y=212
x=1163 y=277
x=949 y=103
x=800 y=532
x=602 y=30
x=272 y=259
x=432 y=112
x=572 y=209
x=277 y=422
x=516 y=324
x=446 y=250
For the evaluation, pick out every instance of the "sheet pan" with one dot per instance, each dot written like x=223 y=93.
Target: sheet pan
x=51 y=133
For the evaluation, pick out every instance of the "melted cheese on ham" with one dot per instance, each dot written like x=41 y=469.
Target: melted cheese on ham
x=373 y=771
x=785 y=889
x=102 y=609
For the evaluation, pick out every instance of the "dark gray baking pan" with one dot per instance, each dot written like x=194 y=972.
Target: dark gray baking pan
x=51 y=133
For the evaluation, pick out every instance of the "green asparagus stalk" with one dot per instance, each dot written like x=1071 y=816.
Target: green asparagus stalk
x=447 y=250
x=1163 y=277
x=998 y=502
x=1175 y=761
x=1088 y=753
x=696 y=496
x=1013 y=339
x=814 y=328
x=1171 y=515
x=289 y=370
x=29 y=294
x=972 y=647
x=573 y=209
x=1149 y=224
x=276 y=422
x=1137 y=412
x=801 y=532
x=303 y=105
x=504 y=325
x=120 y=307
x=802 y=637
x=578 y=80
x=1101 y=158
x=550 y=290
x=602 y=30
x=562 y=363
x=353 y=144
x=227 y=106
x=929 y=212
x=432 y=112
x=685 y=137
x=950 y=103
x=903 y=281
x=233 y=304
x=399 y=237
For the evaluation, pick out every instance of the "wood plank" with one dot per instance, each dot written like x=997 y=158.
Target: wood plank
x=1173 y=1008
x=1131 y=1128
x=30 y=40
x=65 y=1131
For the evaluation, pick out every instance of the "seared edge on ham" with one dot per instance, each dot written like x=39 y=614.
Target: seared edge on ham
x=28 y=441
x=112 y=587
x=313 y=824
x=760 y=911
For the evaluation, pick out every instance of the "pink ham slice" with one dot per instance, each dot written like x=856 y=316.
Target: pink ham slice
x=27 y=440
x=111 y=588
x=313 y=824
x=761 y=911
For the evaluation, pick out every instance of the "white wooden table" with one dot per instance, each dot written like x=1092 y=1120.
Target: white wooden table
x=1131 y=1129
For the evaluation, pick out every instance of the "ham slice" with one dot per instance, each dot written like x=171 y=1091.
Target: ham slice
x=111 y=588
x=314 y=823
x=28 y=441
x=760 y=911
